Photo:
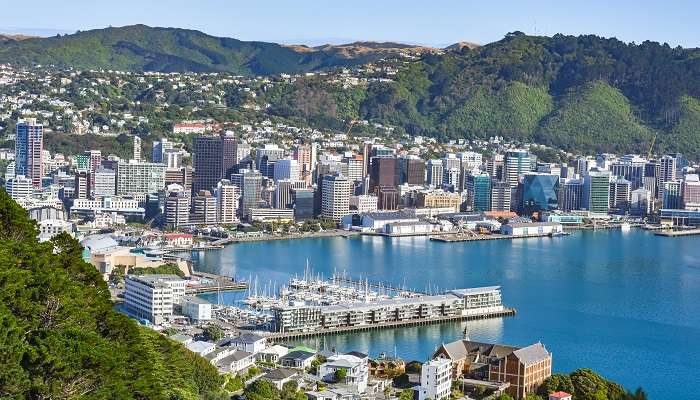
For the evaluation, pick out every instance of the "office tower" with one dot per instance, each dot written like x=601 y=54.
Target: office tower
x=500 y=195
x=227 y=198
x=19 y=187
x=388 y=197
x=495 y=166
x=366 y=157
x=251 y=189
x=303 y=200
x=631 y=171
x=266 y=157
x=364 y=203
x=691 y=192
x=207 y=162
x=641 y=202
x=667 y=170
x=81 y=186
x=540 y=192
x=229 y=154
x=159 y=149
x=620 y=195
x=434 y=173
x=596 y=192
x=29 y=146
x=583 y=164
x=570 y=194
x=181 y=176
x=605 y=160
x=204 y=208
x=139 y=178
x=383 y=152
x=411 y=171
x=478 y=188
x=517 y=163
x=137 y=148
x=176 y=210
x=671 y=197
x=470 y=160
x=336 y=192
x=283 y=192
x=10 y=170
x=286 y=169
x=383 y=172
x=451 y=179
x=305 y=154
x=649 y=183
x=355 y=167
x=451 y=170
x=105 y=182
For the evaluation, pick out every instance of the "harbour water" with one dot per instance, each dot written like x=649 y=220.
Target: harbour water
x=626 y=304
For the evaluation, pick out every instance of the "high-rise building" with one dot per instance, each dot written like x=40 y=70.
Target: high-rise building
x=517 y=163
x=478 y=187
x=540 y=192
x=266 y=157
x=355 y=167
x=286 y=169
x=283 y=192
x=227 y=196
x=596 y=192
x=436 y=380
x=388 y=197
x=251 y=189
x=207 y=163
x=160 y=147
x=500 y=195
x=412 y=171
x=435 y=172
x=470 y=160
x=570 y=194
x=620 y=195
x=495 y=167
x=229 y=154
x=29 y=145
x=303 y=200
x=94 y=162
x=641 y=202
x=305 y=154
x=383 y=172
x=336 y=192
x=204 y=208
x=671 y=197
x=139 y=178
x=181 y=176
x=19 y=187
x=451 y=170
x=364 y=203
x=631 y=171
x=176 y=208
x=81 y=186
x=137 y=148
x=105 y=182
x=667 y=171
x=691 y=192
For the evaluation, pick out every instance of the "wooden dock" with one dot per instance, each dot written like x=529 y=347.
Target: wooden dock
x=281 y=336
x=218 y=283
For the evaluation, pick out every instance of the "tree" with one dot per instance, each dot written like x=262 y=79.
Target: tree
x=213 y=333
x=261 y=390
x=532 y=396
x=406 y=394
x=556 y=383
x=504 y=396
x=340 y=375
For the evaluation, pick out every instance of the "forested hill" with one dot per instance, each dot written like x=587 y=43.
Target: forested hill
x=581 y=93
x=144 y=48
x=60 y=337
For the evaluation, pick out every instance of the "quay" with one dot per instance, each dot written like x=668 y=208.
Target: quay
x=281 y=336
x=477 y=237
x=672 y=233
x=264 y=238
x=217 y=283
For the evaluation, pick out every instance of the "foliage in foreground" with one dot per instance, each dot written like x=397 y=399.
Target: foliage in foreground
x=61 y=338
x=585 y=384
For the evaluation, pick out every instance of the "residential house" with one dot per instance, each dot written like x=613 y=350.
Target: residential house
x=280 y=376
x=299 y=359
x=355 y=366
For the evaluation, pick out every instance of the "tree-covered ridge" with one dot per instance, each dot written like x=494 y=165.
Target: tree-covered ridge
x=582 y=93
x=143 y=48
x=61 y=338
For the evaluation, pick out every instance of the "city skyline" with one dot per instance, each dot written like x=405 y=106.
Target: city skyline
x=403 y=22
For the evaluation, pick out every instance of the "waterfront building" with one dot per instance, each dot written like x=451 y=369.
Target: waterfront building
x=126 y=207
x=363 y=203
x=335 y=191
x=356 y=370
x=524 y=369
x=458 y=302
x=435 y=380
x=571 y=192
x=540 y=192
x=227 y=198
x=152 y=296
x=411 y=171
x=691 y=192
x=283 y=192
x=438 y=199
x=478 y=188
x=388 y=197
x=434 y=173
x=105 y=182
x=679 y=217
x=641 y=202
x=303 y=200
x=596 y=192
x=671 y=196
x=29 y=145
x=531 y=228
x=271 y=214
x=620 y=195
x=204 y=208
x=176 y=210
x=500 y=195
x=196 y=309
x=139 y=178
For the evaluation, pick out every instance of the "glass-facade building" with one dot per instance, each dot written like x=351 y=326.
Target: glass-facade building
x=540 y=192
x=478 y=188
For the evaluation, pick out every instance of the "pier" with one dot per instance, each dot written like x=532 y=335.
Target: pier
x=478 y=237
x=217 y=283
x=281 y=336
x=683 y=232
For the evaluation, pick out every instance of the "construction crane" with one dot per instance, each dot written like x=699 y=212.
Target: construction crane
x=651 y=147
x=352 y=123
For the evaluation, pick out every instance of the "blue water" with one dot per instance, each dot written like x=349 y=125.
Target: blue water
x=626 y=304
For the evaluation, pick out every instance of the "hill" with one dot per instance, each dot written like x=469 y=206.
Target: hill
x=144 y=48
x=61 y=338
x=581 y=93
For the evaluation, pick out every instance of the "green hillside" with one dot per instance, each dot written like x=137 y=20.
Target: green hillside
x=61 y=338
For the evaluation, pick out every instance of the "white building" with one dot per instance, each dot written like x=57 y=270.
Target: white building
x=139 y=177
x=531 y=228
x=19 y=187
x=435 y=380
x=49 y=228
x=227 y=198
x=105 y=182
x=152 y=296
x=336 y=191
x=249 y=342
x=364 y=203
x=196 y=309
x=356 y=370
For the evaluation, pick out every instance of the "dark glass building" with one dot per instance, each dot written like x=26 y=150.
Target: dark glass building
x=384 y=171
x=303 y=200
x=539 y=192
x=412 y=171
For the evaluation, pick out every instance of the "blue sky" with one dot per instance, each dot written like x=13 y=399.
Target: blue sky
x=431 y=22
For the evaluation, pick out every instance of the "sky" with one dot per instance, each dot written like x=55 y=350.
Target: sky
x=427 y=22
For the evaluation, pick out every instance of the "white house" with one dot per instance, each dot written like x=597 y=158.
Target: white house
x=435 y=380
x=356 y=370
x=249 y=342
x=280 y=376
x=235 y=362
x=298 y=359
x=195 y=308
x=201 y=348
x=272 y=354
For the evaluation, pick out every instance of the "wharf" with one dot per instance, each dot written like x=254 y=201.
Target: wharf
x=477 y=237
x=264 y=238
x=281 y=336
x=373 y=285
x=218 y=283
x=684 y=232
